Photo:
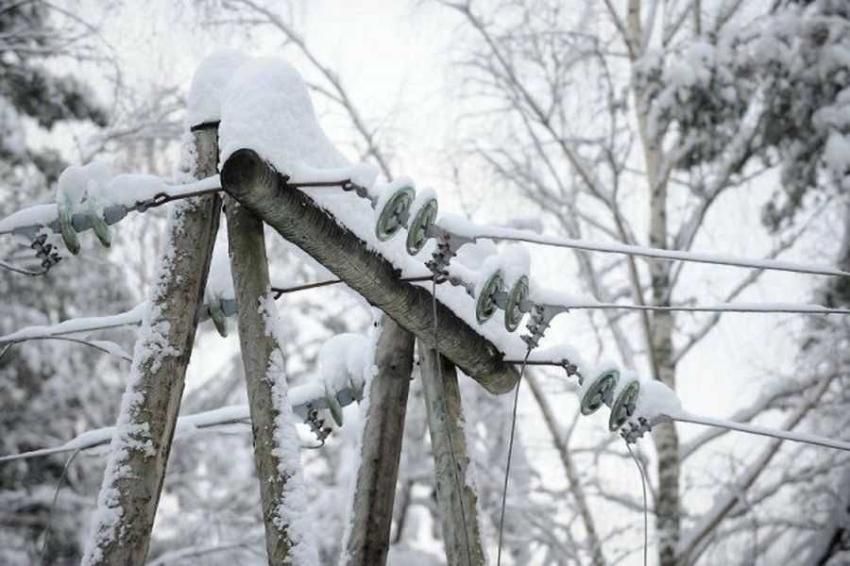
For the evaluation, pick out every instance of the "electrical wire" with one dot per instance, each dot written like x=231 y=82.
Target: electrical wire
x=510 y=453
x=778 y=308
x=20 y=270
x=53 y=505
x=761 y=431
x=512 y=235
x=645 y=512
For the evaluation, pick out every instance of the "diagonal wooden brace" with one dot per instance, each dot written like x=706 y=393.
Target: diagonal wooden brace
x=257 y=186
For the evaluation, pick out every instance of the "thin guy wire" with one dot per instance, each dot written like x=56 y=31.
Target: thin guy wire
x=645 y=512
x=439 y=362
x=53 y=505
x=510 y=453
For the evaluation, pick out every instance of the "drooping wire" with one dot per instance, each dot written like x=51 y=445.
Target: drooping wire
x=510 y=453
x=458 y=486
x=279 y=291
x=645 y=512
x=20 y=270
x=53 y=505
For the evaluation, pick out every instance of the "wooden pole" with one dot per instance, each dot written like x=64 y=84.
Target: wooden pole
x=371 y=518
x=139 y=450
x=456 y=498
x=250 y=270
x=255 y=184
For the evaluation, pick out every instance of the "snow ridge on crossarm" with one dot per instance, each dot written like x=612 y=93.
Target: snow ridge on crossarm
x=291 y=513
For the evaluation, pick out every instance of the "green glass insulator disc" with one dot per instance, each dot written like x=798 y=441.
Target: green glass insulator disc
x=485 y=304
x=66 y=227
x=513 y=308
x=394 y=214
x=101 y=228
x=624 y=405
x=334 y=407
x=598 y=391
x=218 y=318
x=417 y=232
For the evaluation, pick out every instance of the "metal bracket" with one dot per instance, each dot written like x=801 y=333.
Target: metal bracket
x=538 y=324
x=448 y=245
x=632 y=430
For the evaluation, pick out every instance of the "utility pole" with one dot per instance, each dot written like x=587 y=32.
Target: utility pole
x=371 y=518
x=262 y=358
x=456 y=498
x=139 y=450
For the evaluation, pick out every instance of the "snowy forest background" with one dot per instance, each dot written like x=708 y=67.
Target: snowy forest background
x=713 y=125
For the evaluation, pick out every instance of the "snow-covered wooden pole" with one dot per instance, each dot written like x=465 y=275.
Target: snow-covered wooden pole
x=276 y=444
x=255 y=184
x=139 y=450
x=456 y=497
x=380 y=451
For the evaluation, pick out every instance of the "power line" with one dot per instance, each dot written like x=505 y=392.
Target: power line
x=760 y=431
x=509 y=234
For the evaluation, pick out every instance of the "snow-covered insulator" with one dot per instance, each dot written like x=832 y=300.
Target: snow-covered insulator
x=98 y=224
x=334 y=407
x=514 y=305
x=485 y=302
x=394 y=212
x=598 y=391
x=424 y=215
x=217 y=316
x=625 y=400
x=66 y=225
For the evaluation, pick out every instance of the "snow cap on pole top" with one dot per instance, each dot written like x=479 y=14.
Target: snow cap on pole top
x=208 y=86
x=266 y=108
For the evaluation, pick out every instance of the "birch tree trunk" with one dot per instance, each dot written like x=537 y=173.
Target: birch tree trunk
x=456 y=497
x=661 y=355
x=139 y=450
x=380 y=453
x=262 y=360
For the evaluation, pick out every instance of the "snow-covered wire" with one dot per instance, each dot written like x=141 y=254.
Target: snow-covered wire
x=468 y=230
x=510 y=453
x=145 y=192
x=766 y=308
x=760 y=431
x=306 y=395
x=97 y=345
